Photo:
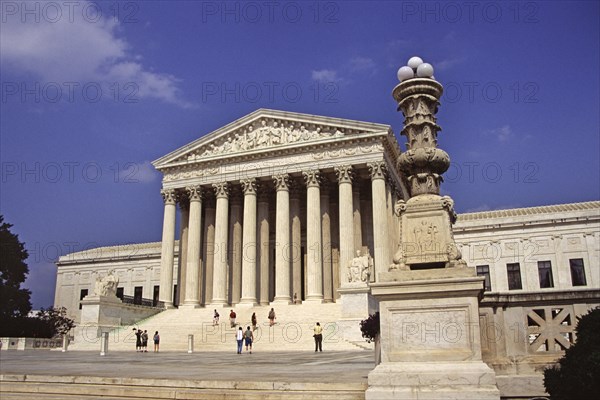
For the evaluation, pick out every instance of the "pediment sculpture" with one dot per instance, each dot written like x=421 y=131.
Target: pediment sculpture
x=267 y=134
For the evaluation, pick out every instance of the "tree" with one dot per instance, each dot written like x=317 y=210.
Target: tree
x=14 y=301
x=56 y=319
x=577 y=374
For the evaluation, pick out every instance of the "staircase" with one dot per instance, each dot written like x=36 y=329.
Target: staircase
x=293 y=330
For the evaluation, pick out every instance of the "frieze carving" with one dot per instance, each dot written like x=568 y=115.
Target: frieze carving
x=312 y=177
x=266 y=133
x=189 y=173
x=169 y=196
x=349 y=151
x=344 y=173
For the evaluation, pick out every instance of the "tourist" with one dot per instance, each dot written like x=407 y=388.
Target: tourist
x=253 y=319
x=318 y=335
x=240 y=339
x=216 y=318
x=232 y=318
x=248 y=336
x=138 y=339
x=145 y=341
x=271 y=317
x=156 y=339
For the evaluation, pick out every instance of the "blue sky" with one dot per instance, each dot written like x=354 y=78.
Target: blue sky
x=89 y=100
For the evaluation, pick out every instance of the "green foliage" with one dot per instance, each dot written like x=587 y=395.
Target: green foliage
x=577 y=374
x=57 y=320
x=14 y=301
x=48 y=323
x=370 y=327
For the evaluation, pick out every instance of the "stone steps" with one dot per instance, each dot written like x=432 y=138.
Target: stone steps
x=91 y=388
x=292 y=331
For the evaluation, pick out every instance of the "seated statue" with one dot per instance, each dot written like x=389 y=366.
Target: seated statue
x=106 y=286
x=360 y=267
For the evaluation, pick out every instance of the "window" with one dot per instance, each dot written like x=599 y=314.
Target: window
x=484 y=270
x=514 y=276
x=577 y=272
x=84 y=292
x=120 y=293
x=545 y=273
x=155 y=296
x=137 y=295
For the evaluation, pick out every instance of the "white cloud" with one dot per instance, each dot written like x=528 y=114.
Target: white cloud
x=502 y=134
x=76 y=49
x=448 y=63
x=325 y=75
x=138 y=173
x=360 y=64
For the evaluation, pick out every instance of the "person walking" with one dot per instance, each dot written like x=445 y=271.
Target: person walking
x=272 y=317
x=240 y=339
x=253 y=319
x=232 y=317
x=156 y=339
x=249 y=337
x=216 y=318
x=318 y=335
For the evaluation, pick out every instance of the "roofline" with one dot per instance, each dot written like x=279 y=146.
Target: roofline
x=266 y=112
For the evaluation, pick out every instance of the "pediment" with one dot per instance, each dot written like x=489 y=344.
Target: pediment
x=266 y=131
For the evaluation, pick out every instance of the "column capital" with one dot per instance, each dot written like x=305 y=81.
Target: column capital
x=194 y=193
x=221 y=189
x=169 y=196
x=282 y=182
x=249 y=186
x=377 y=170
x=344 y=173
x=312 y=177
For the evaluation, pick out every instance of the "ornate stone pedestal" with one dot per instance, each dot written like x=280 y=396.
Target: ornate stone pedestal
x=430 y=339
x=100 y=314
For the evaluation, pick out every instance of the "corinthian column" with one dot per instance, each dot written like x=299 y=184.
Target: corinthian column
x=192 y=276
x=167 y=249
x=326 y=243
x=296 y=240
x=314 y=256
x=184 y=207
x=282 y=239
x=344 y=175
x=235 y=255
x=249 y=243
x=221 y=232
x=380 y=217
x=263 y=229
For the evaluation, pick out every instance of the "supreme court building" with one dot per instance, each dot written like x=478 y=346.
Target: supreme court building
x=273 y=204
